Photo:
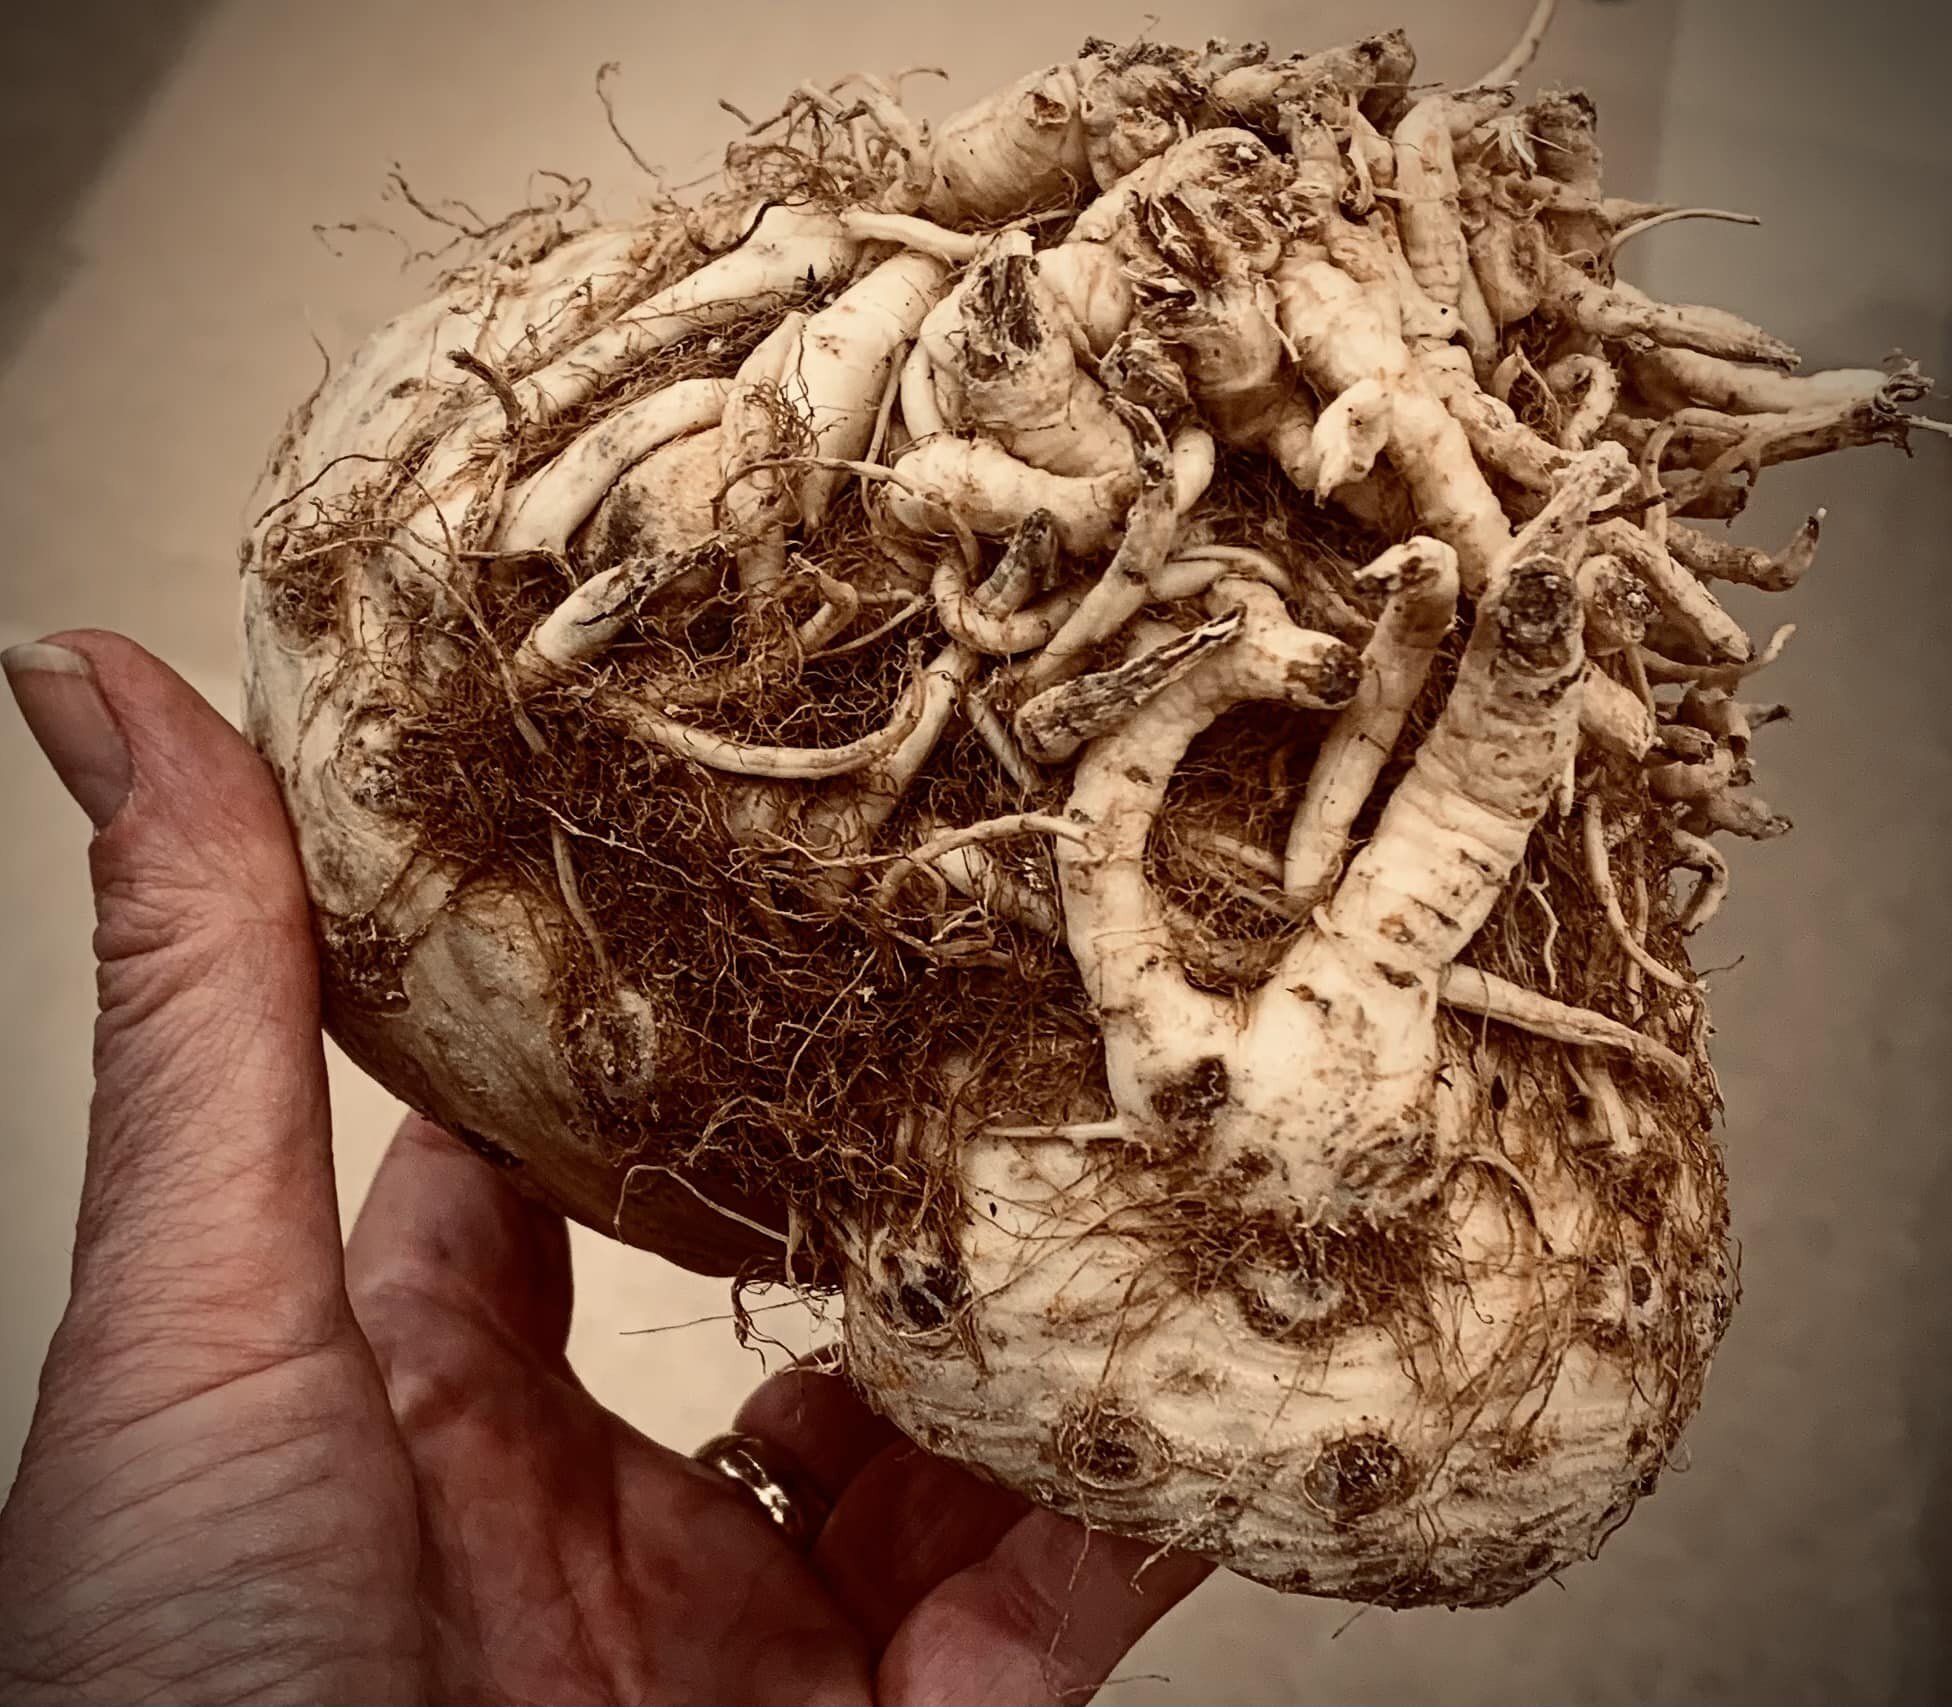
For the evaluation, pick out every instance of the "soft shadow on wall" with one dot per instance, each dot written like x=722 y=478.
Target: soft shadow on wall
x=76 y=76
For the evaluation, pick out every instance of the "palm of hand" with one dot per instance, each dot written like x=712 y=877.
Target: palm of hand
x=561 y=1555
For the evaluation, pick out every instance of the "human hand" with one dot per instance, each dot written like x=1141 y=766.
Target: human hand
x=263 y=1467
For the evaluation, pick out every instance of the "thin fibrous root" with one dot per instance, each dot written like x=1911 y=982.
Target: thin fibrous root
x=1509 y=69
x=972 y=872
x=1072 y=1132
x=738 y=758
x=573 y=903
x=1505 y=1168
x=931 y=852
x=840 y=823
x=1490 y=997
x=1631 y=228
x=1599 y=872
x=514 y=420
x=629 y=1181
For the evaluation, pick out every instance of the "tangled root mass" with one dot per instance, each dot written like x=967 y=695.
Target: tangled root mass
x=1105 y=726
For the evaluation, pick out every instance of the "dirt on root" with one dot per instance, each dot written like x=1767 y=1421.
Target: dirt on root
x=806 y=1029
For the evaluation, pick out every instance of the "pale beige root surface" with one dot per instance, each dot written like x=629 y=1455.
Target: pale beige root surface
x=1312 y=1289
x=1078 y=724
x=450 y=994
x=1310 y=1451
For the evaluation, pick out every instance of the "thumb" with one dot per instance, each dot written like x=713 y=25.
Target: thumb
x=208 y=1240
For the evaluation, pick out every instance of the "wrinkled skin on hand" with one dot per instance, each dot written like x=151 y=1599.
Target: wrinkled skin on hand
x=263 y=1468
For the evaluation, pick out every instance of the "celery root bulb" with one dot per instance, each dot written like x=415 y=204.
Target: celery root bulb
x=1098 y=728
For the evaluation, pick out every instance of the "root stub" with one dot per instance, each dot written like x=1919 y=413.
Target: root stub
x=1097 y=729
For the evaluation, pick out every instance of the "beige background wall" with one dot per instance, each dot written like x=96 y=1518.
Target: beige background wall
x=163 y=329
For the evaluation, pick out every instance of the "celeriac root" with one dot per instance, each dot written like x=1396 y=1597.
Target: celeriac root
x=1099 y=704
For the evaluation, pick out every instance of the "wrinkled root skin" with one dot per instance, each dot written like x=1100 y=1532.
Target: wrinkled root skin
x=1452 y=1360
x=804 y=724
x=1411 y=1459
x=461 y=1020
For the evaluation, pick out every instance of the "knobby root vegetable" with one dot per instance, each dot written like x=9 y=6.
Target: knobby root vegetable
x=1103 y=723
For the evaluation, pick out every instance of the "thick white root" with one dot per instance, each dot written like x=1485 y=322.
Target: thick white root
x=993 y=619
x=1346 y=336
x=1420 y=579
x=790 y=253
x=1006 y=366
x=841 y=365
x=991 y=492
x=1020 y=149
x=1428 y=212
x=582 y=627
x=547 y=508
